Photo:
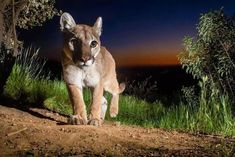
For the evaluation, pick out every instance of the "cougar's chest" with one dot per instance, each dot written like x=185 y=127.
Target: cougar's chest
x=91 y=77
x=86 y=77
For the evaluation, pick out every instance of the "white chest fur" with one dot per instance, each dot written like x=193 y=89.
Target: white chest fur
x=86 y=77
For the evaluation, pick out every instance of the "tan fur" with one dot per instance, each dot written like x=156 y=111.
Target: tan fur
x=99 y=76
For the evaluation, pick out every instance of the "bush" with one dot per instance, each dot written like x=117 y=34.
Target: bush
x=211 y=53
x=210 y=57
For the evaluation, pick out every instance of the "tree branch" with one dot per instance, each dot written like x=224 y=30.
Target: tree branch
x=14 y=29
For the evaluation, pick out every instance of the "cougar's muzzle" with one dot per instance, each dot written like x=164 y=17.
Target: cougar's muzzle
x=86 y=60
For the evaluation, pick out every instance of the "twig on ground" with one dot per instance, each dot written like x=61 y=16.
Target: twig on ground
x=16 y=132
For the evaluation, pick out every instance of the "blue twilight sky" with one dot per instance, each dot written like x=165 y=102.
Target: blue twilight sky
x=137 y=32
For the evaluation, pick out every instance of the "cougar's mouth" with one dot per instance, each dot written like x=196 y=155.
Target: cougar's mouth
x=85 y=63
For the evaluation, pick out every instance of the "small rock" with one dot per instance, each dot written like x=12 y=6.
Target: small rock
x=117 y=123
x=48 y=114
x=133 y=136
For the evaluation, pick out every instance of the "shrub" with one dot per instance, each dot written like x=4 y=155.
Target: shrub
x=211 y=53
x=210 y=57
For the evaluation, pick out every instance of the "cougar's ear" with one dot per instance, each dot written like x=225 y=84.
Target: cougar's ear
x=66 y=22
x=98 y=26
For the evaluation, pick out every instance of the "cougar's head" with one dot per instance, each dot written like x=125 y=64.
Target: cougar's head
x=82 y=41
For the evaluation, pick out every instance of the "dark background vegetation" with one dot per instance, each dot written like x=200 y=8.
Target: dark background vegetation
x=150 y=83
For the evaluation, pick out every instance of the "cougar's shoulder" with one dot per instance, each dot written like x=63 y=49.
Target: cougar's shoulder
x=107 y=58
x=105 y=63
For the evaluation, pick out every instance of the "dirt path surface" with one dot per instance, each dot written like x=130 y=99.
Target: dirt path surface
x=39 y=132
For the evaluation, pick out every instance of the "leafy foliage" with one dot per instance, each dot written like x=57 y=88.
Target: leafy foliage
x=190 y=96
x=24 y=14
x=36 y=12
x=211 y=54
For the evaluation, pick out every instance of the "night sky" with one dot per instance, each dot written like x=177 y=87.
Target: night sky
x=136 y=32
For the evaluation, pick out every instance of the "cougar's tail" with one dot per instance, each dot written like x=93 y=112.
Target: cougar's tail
x=122 y=87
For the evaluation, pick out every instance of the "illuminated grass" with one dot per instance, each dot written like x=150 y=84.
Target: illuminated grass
x=26 y=83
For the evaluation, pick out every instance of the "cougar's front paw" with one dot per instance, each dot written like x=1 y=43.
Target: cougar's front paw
x=95 y=122
x=76 y=120
x=113 y=112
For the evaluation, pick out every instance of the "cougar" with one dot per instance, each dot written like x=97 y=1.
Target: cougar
x=88 y=64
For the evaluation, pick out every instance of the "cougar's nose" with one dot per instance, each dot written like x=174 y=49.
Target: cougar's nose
x=86 y=58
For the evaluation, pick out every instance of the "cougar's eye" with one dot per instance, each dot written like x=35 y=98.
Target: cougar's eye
x=93 y=44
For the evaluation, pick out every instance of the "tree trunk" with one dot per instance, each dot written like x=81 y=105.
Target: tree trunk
x=16 y=12
x=3 y=5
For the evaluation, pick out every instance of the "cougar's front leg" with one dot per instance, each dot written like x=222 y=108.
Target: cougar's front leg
x=97 y=95
x=79 y=109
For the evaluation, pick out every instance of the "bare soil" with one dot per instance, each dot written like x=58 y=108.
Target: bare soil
x=39 y=132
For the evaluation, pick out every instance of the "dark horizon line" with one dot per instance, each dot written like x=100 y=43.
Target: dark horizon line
x=124 y=66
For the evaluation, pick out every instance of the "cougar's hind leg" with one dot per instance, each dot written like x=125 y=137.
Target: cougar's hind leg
x=114 y=105
x=79 y=109
x=115 y=90
x=104 y=107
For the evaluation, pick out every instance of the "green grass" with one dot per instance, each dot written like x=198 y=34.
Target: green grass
x=27 y=83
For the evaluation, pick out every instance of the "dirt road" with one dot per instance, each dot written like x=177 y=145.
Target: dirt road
x=39 y=132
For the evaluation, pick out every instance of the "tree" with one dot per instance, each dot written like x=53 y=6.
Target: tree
x=22 y=14
x=210 y=56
